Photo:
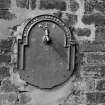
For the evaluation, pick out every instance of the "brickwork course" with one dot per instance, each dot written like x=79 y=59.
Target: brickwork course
x=87 y=85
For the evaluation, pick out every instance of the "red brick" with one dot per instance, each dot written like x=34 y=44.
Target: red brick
x=100 y=34
x=83 y=32
x=3 y=98
x=92 y=104
x=97 y=19
x=24 y=99
x=93 y=71
x=81 y=60
x=4 y=72
x=91 y=97
x=89 y=6
x=96 y=97
x=12 y=97
x=90 y=84
x=53 y=4
x=100 y=85
x=7 y=86
x=69 y=19
x=33 y=4
x=6 y=15
x=22 y=3
x=26 y=4
x=100 y=6
x=5 y=4
x=94 y=58
x=98 y=44
x=5 y=58
x=74 y=5
x=6 y=45
x=92 y=46
x=76 y=100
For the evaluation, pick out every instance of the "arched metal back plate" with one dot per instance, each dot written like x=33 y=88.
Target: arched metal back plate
x=46 y=56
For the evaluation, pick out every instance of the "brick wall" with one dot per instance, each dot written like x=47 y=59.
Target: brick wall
x=88 y=18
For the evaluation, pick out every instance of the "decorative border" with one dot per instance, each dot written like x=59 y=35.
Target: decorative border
x=51 y=18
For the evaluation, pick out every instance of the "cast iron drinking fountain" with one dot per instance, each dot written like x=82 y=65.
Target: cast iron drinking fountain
x=46 y=52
